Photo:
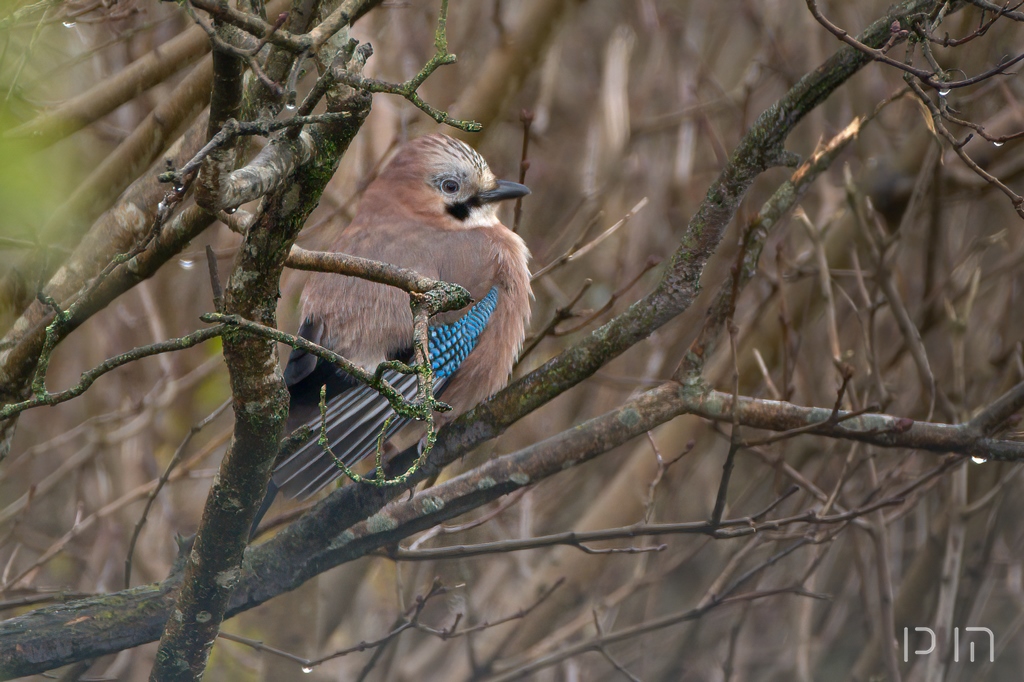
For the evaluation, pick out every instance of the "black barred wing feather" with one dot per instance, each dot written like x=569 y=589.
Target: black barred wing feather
x=356 y=414
x=354 y=421
x=451 y=344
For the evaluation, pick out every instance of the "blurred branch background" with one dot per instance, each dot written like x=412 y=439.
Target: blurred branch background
x=634 y=107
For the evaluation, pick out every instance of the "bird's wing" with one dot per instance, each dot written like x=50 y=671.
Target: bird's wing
x=356 y=414
x=300 y=363
x=305 y=373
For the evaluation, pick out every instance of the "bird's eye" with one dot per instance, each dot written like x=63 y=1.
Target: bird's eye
x=450 y=186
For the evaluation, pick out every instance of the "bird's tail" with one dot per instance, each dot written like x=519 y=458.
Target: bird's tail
x=264 y=508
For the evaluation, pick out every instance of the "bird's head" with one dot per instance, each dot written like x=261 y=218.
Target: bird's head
x=448 y=182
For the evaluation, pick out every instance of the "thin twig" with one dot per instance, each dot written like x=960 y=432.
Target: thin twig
x=926 y=77
x=409 y=88
x=561 y=315
x=526 y=118
x=215 y=285
x=637 y=630
x=309 y=664
x=161 y=482
x=725 y=529
x=574 y=253
x=44 y=397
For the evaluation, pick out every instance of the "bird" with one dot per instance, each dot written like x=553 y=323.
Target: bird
x=432 y=209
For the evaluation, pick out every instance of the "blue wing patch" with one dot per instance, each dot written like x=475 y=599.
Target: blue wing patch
x=451 y=344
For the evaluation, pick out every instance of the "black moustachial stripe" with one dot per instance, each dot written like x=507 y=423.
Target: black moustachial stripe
x=459 y=211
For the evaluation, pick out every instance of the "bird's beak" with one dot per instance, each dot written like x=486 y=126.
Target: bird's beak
x=504 y=190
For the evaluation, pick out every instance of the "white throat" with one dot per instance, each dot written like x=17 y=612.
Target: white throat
x=485 y=215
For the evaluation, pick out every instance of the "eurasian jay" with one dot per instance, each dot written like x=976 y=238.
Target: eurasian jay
x=432 y=209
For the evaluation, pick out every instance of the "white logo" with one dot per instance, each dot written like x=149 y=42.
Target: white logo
x=956 y=643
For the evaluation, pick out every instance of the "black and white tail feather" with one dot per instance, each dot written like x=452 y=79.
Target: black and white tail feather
x=354 y=423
